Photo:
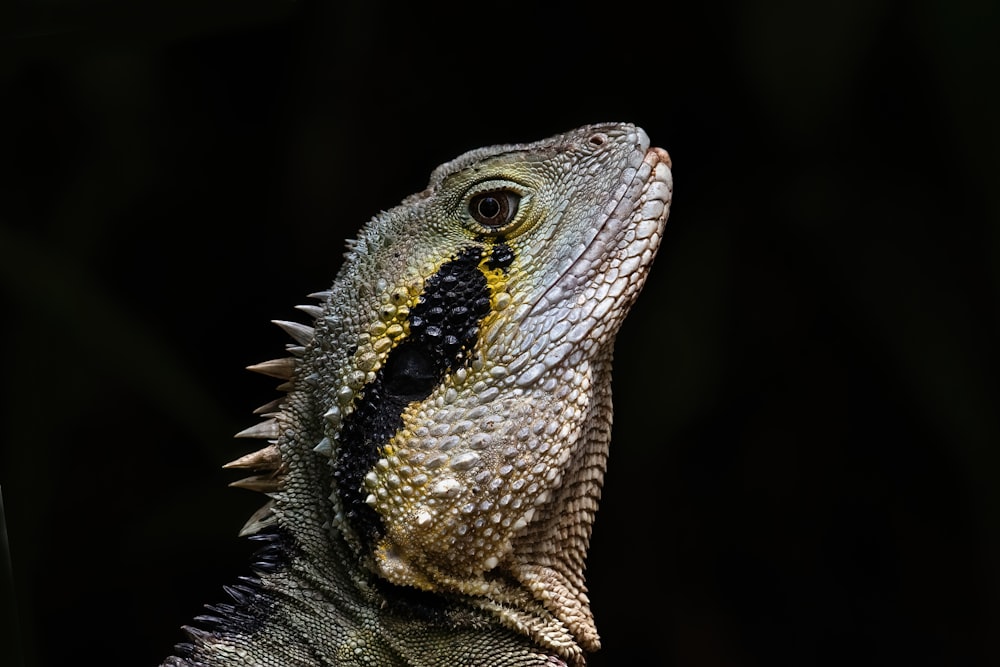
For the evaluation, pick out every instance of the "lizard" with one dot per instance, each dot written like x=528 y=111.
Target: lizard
x=435 y=459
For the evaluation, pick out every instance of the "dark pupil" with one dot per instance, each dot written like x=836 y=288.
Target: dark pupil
x=495 y=208
x=489 y=207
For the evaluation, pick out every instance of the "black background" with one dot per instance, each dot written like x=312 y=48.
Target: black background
x=804 y=466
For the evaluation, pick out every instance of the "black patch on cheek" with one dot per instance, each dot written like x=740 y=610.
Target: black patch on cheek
x=444 y=325
x=501 y=257
x=410 y=371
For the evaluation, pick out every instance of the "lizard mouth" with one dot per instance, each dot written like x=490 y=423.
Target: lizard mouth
x=649 y=211
x=593 y=294
x=616 y=259
x=642 y=210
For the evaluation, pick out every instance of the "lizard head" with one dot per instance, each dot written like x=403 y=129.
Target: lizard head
x=461 y=365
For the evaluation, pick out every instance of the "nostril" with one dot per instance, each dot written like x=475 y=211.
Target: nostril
x=598 y=139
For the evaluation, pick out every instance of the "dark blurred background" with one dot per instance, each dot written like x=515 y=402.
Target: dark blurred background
x=805 y=460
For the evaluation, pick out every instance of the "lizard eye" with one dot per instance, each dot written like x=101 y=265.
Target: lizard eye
x=494 y=208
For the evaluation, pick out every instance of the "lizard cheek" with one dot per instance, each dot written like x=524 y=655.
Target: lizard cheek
x=443 y=328
x=411 y=371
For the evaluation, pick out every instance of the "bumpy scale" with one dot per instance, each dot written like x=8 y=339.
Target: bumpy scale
x=435 y=466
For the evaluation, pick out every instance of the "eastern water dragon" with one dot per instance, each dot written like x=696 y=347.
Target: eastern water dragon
x=434 y=463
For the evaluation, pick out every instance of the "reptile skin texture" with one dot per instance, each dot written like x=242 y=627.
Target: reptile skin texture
x=434 y=462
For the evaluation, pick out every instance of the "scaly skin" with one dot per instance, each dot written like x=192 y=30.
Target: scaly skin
x=435 y=466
